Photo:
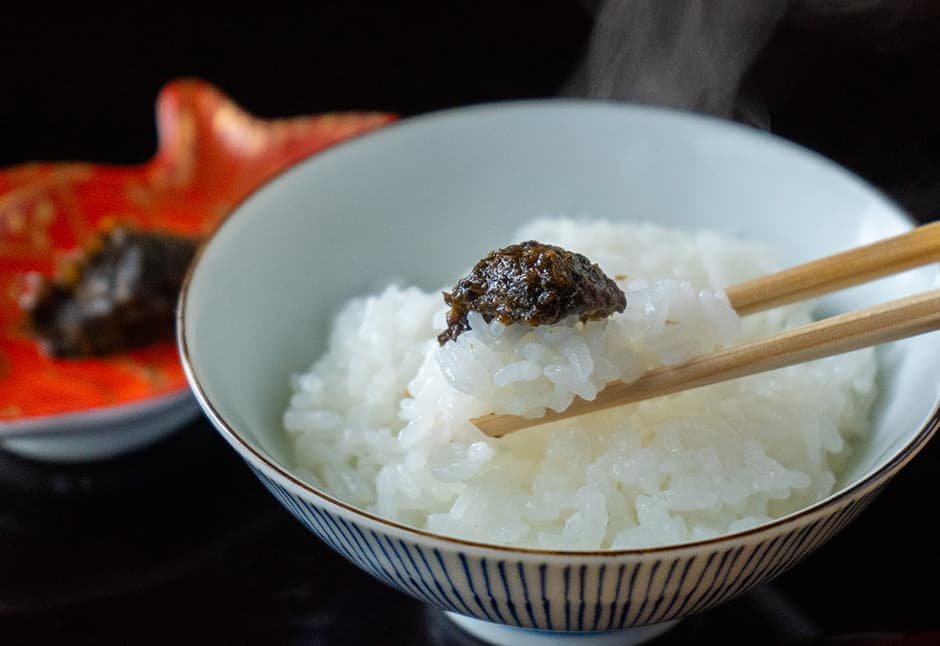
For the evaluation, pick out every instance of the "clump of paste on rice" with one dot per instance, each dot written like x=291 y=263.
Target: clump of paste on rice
x=381 y=419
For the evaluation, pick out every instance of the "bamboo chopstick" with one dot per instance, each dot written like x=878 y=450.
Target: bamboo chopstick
x=917 y=247
x=870 y=326
x=883 y=323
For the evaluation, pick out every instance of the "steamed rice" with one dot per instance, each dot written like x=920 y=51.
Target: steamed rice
x=380 y=420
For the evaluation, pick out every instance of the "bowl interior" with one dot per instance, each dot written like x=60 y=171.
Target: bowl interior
x=423 y=200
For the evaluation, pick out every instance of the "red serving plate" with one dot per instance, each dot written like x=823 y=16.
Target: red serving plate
x=211 y=155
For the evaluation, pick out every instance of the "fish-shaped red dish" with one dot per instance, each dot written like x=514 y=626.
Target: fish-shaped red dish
x=211 y=155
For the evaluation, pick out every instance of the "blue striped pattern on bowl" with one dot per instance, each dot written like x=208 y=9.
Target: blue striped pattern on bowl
x=567 y=591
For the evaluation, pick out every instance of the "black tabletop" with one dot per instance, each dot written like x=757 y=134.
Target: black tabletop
x=179 y=543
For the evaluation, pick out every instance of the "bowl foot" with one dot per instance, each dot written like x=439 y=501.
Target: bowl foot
x=502 y=635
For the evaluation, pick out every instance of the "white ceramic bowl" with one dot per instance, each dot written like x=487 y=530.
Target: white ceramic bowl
x=422 y=200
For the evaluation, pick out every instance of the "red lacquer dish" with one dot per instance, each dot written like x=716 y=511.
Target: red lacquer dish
x=211 y=155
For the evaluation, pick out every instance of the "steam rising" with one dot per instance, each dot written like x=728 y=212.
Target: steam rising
x=686 y=54
x=695 y=54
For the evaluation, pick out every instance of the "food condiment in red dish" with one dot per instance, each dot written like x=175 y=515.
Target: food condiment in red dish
x=211 y=155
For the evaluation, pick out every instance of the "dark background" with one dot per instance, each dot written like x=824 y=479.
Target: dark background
x=145 y=550
x=79 y=82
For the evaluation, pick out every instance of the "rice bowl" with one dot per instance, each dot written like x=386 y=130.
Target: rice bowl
x=474 y=176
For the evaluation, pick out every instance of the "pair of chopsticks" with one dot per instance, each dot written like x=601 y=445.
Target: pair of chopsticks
x=897 y=319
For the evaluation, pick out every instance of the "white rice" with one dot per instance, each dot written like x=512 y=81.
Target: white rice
x=380 y=420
